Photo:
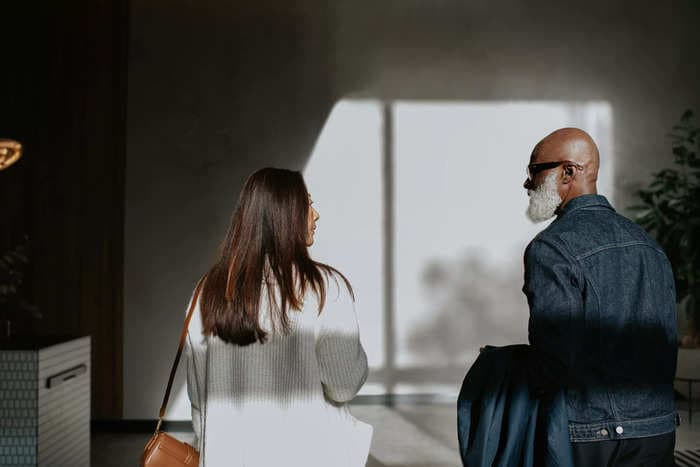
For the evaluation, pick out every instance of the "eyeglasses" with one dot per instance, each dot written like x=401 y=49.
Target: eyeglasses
x=534 y=169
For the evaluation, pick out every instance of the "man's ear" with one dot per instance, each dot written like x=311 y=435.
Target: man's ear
x=568 y=174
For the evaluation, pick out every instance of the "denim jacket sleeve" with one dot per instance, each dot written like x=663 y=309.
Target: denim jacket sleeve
x=553 y=286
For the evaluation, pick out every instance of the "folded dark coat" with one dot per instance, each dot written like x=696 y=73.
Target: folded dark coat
x=501 y=423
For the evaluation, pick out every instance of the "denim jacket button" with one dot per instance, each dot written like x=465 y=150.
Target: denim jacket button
x=604 y=432
x=619 y=430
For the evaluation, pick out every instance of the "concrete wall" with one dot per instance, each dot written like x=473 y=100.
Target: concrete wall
x=217 y=90
x=642 y=57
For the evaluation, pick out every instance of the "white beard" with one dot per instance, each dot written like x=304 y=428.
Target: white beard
x=544 y=200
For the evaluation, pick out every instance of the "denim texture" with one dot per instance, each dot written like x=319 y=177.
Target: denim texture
x=603 y=322
x=500 y=424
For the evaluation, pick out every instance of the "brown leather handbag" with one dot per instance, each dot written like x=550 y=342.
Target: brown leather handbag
x=162 y=450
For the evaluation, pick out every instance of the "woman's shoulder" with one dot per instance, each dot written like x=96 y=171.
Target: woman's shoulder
x=337 y=286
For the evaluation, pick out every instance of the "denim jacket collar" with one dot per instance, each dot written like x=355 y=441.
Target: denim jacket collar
x=585 y=201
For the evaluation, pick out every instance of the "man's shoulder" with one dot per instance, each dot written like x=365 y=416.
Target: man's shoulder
x=552 y=235
x=547 y=243
x=582 y=231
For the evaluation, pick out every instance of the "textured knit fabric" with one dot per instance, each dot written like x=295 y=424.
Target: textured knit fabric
x=281 y=403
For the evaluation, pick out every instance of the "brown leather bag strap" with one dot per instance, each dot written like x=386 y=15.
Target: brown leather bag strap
x=183 y=335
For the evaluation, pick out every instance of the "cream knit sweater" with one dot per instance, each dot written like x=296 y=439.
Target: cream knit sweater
x=281 y=403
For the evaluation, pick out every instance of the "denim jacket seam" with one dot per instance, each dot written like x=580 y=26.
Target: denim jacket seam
x=597 y=206
x=611 y=246
x=615 y=420
x=649 y=427
x=594 y=288
x=561 y=247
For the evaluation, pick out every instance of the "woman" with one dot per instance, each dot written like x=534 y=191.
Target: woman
x=273 y=346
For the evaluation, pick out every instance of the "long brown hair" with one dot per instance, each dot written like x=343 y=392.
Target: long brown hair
x=266 y=244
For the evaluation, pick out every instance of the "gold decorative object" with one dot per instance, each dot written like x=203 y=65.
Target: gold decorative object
x=10 y=151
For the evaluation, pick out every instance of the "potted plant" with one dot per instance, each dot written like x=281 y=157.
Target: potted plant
x=670 y=211
x=13 y=307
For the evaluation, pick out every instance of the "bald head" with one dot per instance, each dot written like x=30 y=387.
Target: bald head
x=572 y=145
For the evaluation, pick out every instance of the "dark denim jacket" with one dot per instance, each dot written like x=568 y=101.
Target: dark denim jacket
x=603 y=322
x=500 y=424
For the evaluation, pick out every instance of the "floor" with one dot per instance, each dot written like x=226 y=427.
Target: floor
x=406 y=436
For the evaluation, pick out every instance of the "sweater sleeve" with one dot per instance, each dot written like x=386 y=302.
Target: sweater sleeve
x=192 y=385
x=193 y=393
x=342 y=360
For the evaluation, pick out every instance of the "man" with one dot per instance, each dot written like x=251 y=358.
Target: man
x=602 y=312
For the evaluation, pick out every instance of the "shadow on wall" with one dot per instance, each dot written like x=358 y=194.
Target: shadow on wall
x=472 y=301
